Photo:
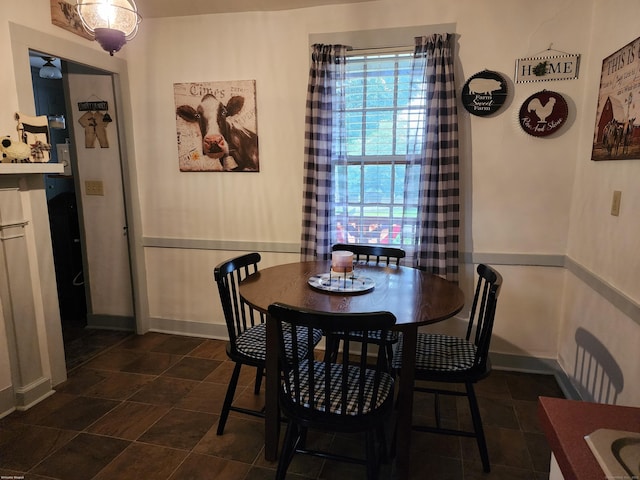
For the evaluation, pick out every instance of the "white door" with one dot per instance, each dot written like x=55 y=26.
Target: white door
x=103 y=219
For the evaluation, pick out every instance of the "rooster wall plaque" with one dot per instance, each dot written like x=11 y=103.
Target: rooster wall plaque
x=543 y=113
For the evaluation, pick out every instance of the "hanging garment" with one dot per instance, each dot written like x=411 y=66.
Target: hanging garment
x=94 y=127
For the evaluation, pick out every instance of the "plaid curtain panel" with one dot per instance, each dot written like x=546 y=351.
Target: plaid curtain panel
x=326 y=73
x=434 y=156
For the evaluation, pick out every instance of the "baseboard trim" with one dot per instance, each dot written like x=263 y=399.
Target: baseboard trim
x=189 y=329
x=27 y=396
x=545 y=366
x=7 y=401
x=111 y=322
x=499 y=361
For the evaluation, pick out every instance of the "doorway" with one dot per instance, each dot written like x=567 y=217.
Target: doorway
x=88 y=225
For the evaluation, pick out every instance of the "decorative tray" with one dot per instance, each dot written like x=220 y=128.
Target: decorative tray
x=332 y=282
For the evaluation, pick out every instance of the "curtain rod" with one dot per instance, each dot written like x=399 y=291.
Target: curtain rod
x=370 y=50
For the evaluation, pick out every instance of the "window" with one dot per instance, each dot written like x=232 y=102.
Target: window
x=381 y=151
x=374 y=200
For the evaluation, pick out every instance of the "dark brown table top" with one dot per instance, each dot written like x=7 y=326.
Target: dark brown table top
x=413 y=296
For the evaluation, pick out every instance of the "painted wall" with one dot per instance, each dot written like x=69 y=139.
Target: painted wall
x=517 y=188
x=523 y=196
x=599 y=242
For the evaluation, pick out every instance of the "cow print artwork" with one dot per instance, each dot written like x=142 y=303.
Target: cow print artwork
x=216 y=126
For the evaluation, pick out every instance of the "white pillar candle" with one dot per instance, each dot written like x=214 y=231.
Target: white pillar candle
x=342 y=261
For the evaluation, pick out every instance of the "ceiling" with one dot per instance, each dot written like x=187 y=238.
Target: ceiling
x=173 y=8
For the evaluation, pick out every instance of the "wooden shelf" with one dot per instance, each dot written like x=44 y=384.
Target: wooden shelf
x=26 y=168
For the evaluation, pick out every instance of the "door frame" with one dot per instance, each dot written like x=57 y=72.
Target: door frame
x=22 y=40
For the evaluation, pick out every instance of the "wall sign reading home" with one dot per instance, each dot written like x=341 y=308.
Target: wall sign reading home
x=546 y=68
x=543 y=113
x=484 y=93
x=216 y=126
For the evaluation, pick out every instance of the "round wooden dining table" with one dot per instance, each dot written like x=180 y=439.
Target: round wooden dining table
x=415 y=298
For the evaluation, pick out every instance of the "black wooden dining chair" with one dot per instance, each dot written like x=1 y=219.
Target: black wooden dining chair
x=335 y=395
x=246 y=328
x=453 y=360
x=374 y=255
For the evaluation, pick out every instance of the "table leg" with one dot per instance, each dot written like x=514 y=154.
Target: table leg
x=271 y=420
x=405 y=402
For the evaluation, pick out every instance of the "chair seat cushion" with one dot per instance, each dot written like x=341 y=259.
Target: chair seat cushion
x=441 y=353
x=390 y=337
x=335 y=401
x=253 y=341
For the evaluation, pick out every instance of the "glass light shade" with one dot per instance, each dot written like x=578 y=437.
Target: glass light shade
x=50 y=71
x=111 y=22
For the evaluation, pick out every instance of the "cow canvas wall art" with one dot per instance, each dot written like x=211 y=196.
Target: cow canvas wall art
x=216 y=126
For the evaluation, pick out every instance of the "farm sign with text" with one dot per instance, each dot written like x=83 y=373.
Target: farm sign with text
x=484 y=93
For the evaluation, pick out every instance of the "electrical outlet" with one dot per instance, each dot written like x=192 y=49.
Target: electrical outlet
x=615 y=203
x=93 y=187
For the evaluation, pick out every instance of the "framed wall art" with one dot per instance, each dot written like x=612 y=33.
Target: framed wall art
x=216 y=126
x=543 y=113
x=484 y=93
x=617 y=131
x=64 y=15
x=547 y=67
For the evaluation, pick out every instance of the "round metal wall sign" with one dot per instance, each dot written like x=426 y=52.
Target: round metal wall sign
x=484 y=93
x=543 y=113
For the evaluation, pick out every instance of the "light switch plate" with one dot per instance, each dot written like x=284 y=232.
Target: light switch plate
x=93 y=187
x=615 y=203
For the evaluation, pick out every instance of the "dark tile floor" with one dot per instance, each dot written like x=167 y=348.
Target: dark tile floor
x=82 y=343
x=148 y=408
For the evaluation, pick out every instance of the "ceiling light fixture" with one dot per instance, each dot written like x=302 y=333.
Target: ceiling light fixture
x=49 y=70
x=111 y=22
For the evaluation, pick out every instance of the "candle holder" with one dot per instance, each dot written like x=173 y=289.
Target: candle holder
x=342 y=266
x=342 y=277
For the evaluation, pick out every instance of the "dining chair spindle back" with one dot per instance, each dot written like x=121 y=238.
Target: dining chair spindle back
x=375 y=255
x=246 y=328
x=455 y=360
x=372 y=253
x=333 y=394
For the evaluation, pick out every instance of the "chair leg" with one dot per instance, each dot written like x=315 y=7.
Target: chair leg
x=291 y=438
x=477 y=426
x=302 y=437
x=372 y=458
x=259 y=374
x=228 y=399
x=382 y=438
